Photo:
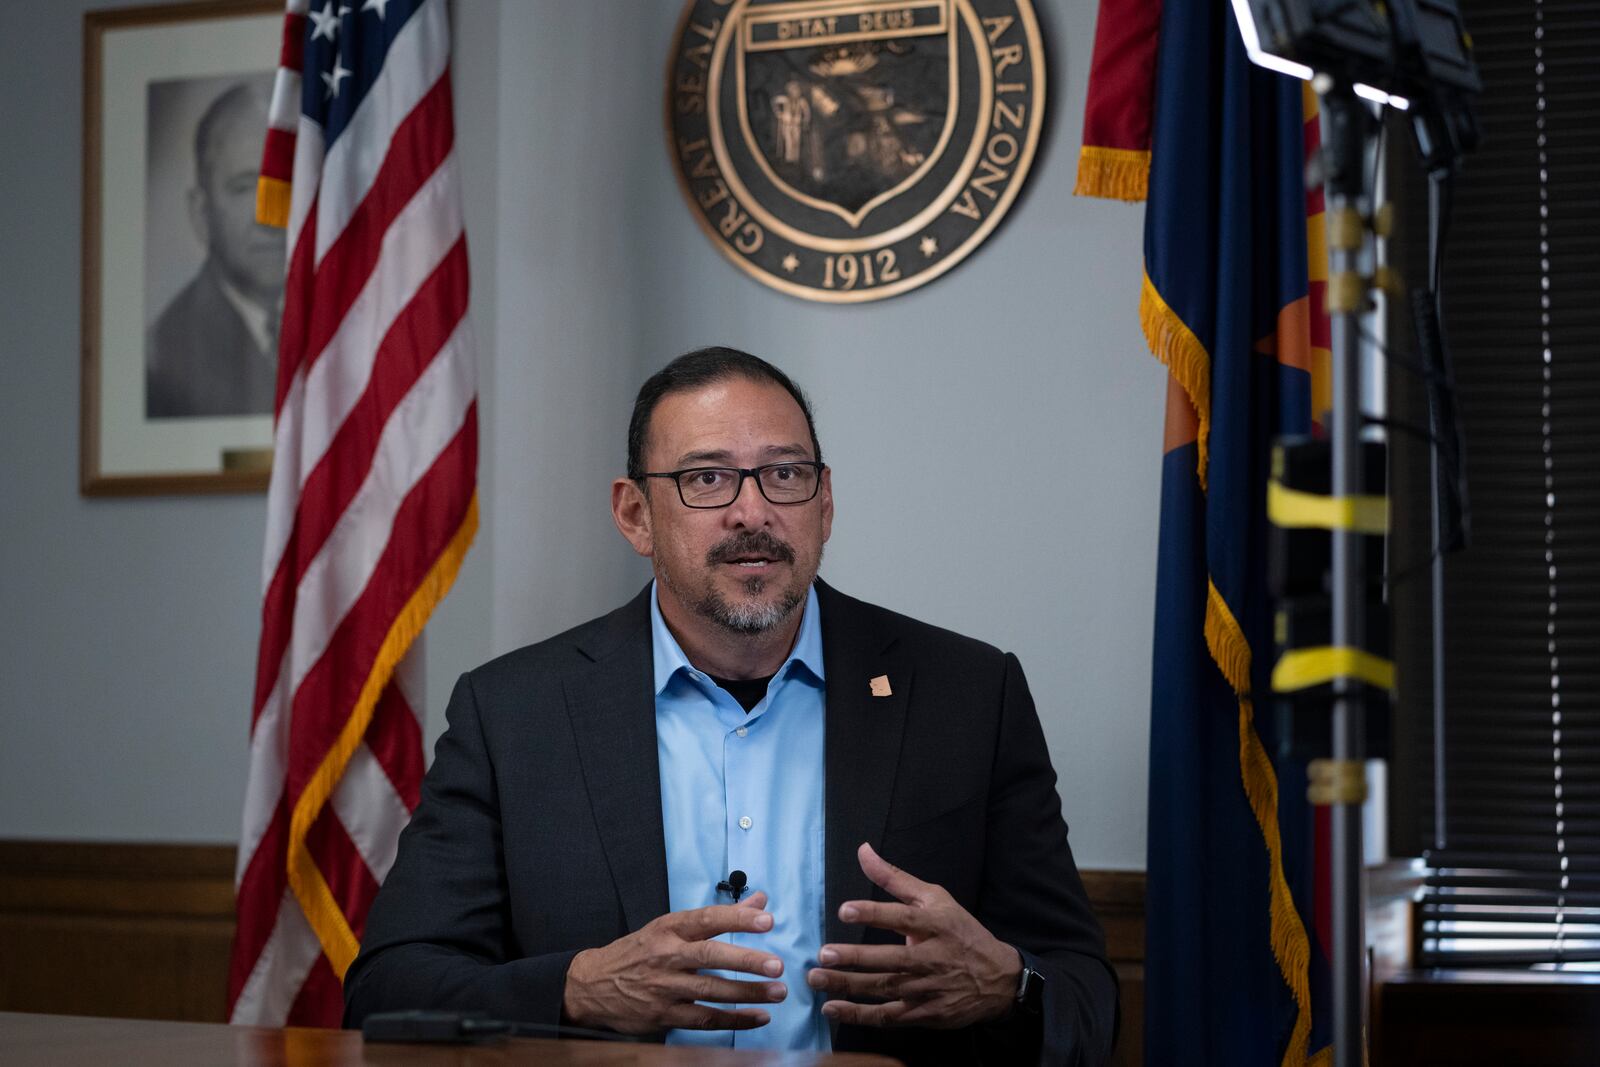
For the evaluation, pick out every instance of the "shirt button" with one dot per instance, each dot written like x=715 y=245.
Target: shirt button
x=741 y=731
x=745 y=823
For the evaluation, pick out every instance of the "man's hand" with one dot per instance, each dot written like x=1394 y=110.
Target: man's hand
x=950 y=973
x=648 y=981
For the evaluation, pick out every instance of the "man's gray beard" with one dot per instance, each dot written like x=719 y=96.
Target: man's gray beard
x=748 y=619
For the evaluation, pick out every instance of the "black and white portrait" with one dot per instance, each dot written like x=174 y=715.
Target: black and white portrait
x=213 y=275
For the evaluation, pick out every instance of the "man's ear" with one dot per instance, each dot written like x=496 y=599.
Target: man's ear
x=630 y=510
x=827 y=503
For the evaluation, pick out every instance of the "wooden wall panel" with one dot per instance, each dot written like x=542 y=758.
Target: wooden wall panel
x=143 y=931
x=1118 y=898
x=122 y=930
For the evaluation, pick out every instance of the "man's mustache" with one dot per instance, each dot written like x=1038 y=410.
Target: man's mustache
x=760 y=543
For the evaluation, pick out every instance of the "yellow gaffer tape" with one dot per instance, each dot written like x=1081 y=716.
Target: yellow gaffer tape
x=1296 y=509
x=1306 y=667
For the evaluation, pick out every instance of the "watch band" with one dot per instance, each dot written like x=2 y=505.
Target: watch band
x=1030 y=990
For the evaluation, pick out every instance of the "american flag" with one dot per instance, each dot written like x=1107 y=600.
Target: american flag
x=373 y=500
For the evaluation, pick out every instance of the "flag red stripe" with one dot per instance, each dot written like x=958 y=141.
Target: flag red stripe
x=416 y=337
x=424 y=525
x=395 y=739
x=277 y=155
x=292 y=54
x=299 y=294
x=262 y=886
x=353 y=887
x=342 y=868
x=421 y=143
x=1321 y=328
x=320 y=1001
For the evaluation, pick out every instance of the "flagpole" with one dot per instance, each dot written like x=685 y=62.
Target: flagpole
x=1346 y=123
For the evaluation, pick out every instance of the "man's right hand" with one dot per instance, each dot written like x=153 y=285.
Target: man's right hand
x=649 y=981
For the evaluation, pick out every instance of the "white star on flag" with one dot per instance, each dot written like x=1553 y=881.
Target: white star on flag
x=333 y=77
x=377 y=5
x=326 y=22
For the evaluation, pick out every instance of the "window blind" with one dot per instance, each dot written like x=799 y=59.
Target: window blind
x=1514 y=847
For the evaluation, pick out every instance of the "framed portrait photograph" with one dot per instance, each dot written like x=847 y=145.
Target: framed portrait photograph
x=182 y=288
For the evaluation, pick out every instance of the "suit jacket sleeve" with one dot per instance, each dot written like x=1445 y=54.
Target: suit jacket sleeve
x=1033 y=898
x=439 y=935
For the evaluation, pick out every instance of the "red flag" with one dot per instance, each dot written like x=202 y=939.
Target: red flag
x=1114 y=161
x=373 y=501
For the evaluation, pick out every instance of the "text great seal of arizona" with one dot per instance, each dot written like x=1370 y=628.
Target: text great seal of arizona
x=850 y=150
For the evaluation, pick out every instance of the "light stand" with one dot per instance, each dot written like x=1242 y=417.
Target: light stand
x=1346 y=131
x=1353 y=49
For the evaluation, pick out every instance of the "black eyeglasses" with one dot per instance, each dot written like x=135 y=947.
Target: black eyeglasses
x=792 y=482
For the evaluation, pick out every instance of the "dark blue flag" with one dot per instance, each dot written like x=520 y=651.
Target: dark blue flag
x=1234 y=972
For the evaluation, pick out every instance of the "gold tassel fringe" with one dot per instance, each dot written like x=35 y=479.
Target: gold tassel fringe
x=1113 y=173
x=310 y=888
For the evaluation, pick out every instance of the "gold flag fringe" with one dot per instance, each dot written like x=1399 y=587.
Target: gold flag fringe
x=316 y=898
x=1113 y=173
x=272 y=201
x=1174 y=344
x=1291 y=945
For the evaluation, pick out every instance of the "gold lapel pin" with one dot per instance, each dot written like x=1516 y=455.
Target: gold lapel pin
x=880 y=686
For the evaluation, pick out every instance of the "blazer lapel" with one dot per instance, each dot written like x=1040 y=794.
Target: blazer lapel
x=611 y=701
x=862 y=750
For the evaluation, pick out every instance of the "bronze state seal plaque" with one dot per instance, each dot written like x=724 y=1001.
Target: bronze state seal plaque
x=849 y=150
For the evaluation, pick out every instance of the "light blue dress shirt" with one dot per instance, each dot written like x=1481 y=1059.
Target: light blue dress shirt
x=744 y=792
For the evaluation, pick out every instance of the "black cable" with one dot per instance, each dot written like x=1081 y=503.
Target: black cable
x=1406 y=361
x=455 y=1028
x=501 y=1027
x=1405 y=426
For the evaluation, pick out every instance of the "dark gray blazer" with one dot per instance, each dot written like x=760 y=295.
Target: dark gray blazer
x=539 y=830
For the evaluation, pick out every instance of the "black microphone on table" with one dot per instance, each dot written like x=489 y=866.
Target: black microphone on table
x=734 y=884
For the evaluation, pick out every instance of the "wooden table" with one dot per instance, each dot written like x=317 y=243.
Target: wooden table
x=80 y=1041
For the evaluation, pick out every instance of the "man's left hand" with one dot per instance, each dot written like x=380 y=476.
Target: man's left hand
x=950 y=973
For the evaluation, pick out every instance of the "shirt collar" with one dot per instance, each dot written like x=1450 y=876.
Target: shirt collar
x=669 y=657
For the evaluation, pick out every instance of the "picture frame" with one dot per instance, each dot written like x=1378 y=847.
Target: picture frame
x=182 y=290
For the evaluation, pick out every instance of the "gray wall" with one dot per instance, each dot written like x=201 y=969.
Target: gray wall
x=124 y=677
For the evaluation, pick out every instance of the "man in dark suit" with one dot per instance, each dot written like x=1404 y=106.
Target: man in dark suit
x=565 y=864
x=213 y=349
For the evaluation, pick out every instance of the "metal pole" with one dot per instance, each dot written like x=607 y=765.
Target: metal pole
x=1345 y=123
x=1441 y=834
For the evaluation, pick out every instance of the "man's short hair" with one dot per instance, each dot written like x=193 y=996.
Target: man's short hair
x=702 y=367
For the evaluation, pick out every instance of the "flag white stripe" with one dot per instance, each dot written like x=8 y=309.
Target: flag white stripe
x=422 y=234
x=269 y=755
x=420 y=428
x=283 y=492
x=411 y=677
x=305 y=181
x=413 y=246
x=372 y=812
x=284 y=113
x=280 y=970
x=296 y=7
x=415 y=61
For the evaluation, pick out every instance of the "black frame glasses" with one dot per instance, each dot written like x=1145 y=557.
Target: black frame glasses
x=743 y=473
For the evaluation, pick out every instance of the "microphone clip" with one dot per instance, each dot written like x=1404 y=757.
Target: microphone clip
x=734 y=883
